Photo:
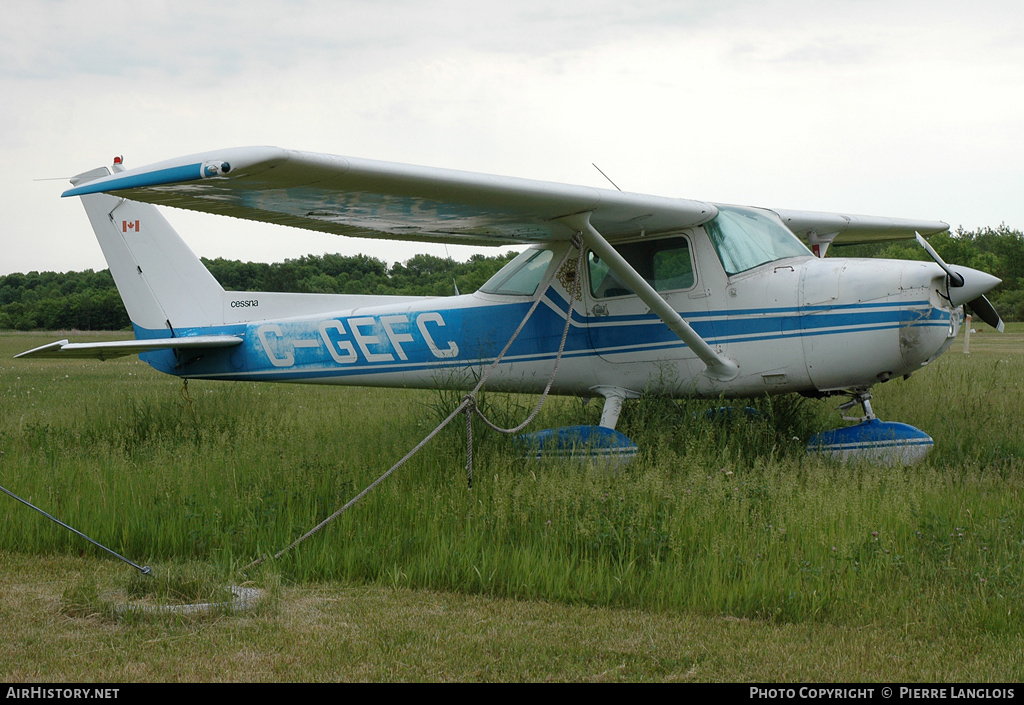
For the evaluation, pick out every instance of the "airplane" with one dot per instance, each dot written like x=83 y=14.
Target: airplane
x=625 y=293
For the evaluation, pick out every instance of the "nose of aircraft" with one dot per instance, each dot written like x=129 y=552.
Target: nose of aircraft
x=974 y=284
x=966 y=286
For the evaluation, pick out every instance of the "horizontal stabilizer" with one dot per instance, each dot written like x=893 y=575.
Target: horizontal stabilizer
x=106 y=350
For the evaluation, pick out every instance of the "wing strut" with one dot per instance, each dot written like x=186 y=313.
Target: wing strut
x=719 y=367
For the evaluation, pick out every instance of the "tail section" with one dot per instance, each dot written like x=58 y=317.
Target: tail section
x=167 y=289
x=174 y=303
x=163 y=284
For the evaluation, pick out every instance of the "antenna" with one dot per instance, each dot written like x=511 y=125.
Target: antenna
x=605 y=175
x=451 y=264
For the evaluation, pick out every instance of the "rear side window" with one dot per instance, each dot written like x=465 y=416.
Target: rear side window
x=521 y=276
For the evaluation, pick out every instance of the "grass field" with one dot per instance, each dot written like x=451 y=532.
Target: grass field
x=722 y=553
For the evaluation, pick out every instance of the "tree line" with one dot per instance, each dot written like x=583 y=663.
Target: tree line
x=89 y=300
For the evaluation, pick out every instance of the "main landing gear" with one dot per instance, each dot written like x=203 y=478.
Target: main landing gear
x=601 y=445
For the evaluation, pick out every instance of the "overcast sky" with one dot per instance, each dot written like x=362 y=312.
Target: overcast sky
x=905 y=109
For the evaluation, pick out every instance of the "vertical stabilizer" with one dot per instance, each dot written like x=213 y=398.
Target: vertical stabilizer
x=163 y=284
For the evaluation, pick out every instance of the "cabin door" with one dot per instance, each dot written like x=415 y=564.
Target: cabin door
x=622 y=328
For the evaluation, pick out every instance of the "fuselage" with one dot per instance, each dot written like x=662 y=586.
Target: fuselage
x=791 y=323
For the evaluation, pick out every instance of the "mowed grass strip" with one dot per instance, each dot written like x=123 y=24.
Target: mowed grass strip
x=336 y=632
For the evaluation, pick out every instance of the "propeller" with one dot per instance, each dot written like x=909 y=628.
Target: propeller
x=984 y=310
x=966 y=286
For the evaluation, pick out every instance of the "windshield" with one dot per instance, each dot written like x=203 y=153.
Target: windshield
x=521 y=276
x=745 y=238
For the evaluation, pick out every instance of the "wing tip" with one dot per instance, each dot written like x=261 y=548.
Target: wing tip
x=180 y=170
x=43 y=349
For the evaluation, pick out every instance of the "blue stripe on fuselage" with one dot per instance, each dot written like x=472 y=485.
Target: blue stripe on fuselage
x=380 y=343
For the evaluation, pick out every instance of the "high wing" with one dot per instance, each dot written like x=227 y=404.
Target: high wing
x=812 y=227
x=107 y=350
x=360 y=197
x=367 y=198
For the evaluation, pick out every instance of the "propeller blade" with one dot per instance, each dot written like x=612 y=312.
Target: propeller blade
x=955 y=279
x=984 y=310
x=963 y=284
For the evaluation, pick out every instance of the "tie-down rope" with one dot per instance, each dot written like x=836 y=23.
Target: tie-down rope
x=468 y=404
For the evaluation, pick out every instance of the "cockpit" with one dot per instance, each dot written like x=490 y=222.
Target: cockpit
x=743 y=238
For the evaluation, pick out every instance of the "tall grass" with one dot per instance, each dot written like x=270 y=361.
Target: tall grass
x=722 y=513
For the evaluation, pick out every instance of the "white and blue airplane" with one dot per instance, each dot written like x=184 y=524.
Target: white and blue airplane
x=676 y=297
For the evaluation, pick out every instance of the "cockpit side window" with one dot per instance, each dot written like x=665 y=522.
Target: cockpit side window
x=665 y=264
x=521 y=276
x=745 y=238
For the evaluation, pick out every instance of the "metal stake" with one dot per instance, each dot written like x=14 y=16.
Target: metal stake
x=145 y=570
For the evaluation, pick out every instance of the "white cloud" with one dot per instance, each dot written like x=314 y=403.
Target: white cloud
x=903 y=109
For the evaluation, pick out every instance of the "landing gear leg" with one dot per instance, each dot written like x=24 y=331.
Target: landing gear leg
x=613 y=398
x=862 y=398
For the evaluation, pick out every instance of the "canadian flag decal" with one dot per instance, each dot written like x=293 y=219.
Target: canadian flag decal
x=127 y=225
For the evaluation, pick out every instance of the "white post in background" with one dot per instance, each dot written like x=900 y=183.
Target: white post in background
x=967 y=335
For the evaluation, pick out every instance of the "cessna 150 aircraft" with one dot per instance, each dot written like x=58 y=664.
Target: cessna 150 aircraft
x=675 y=296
